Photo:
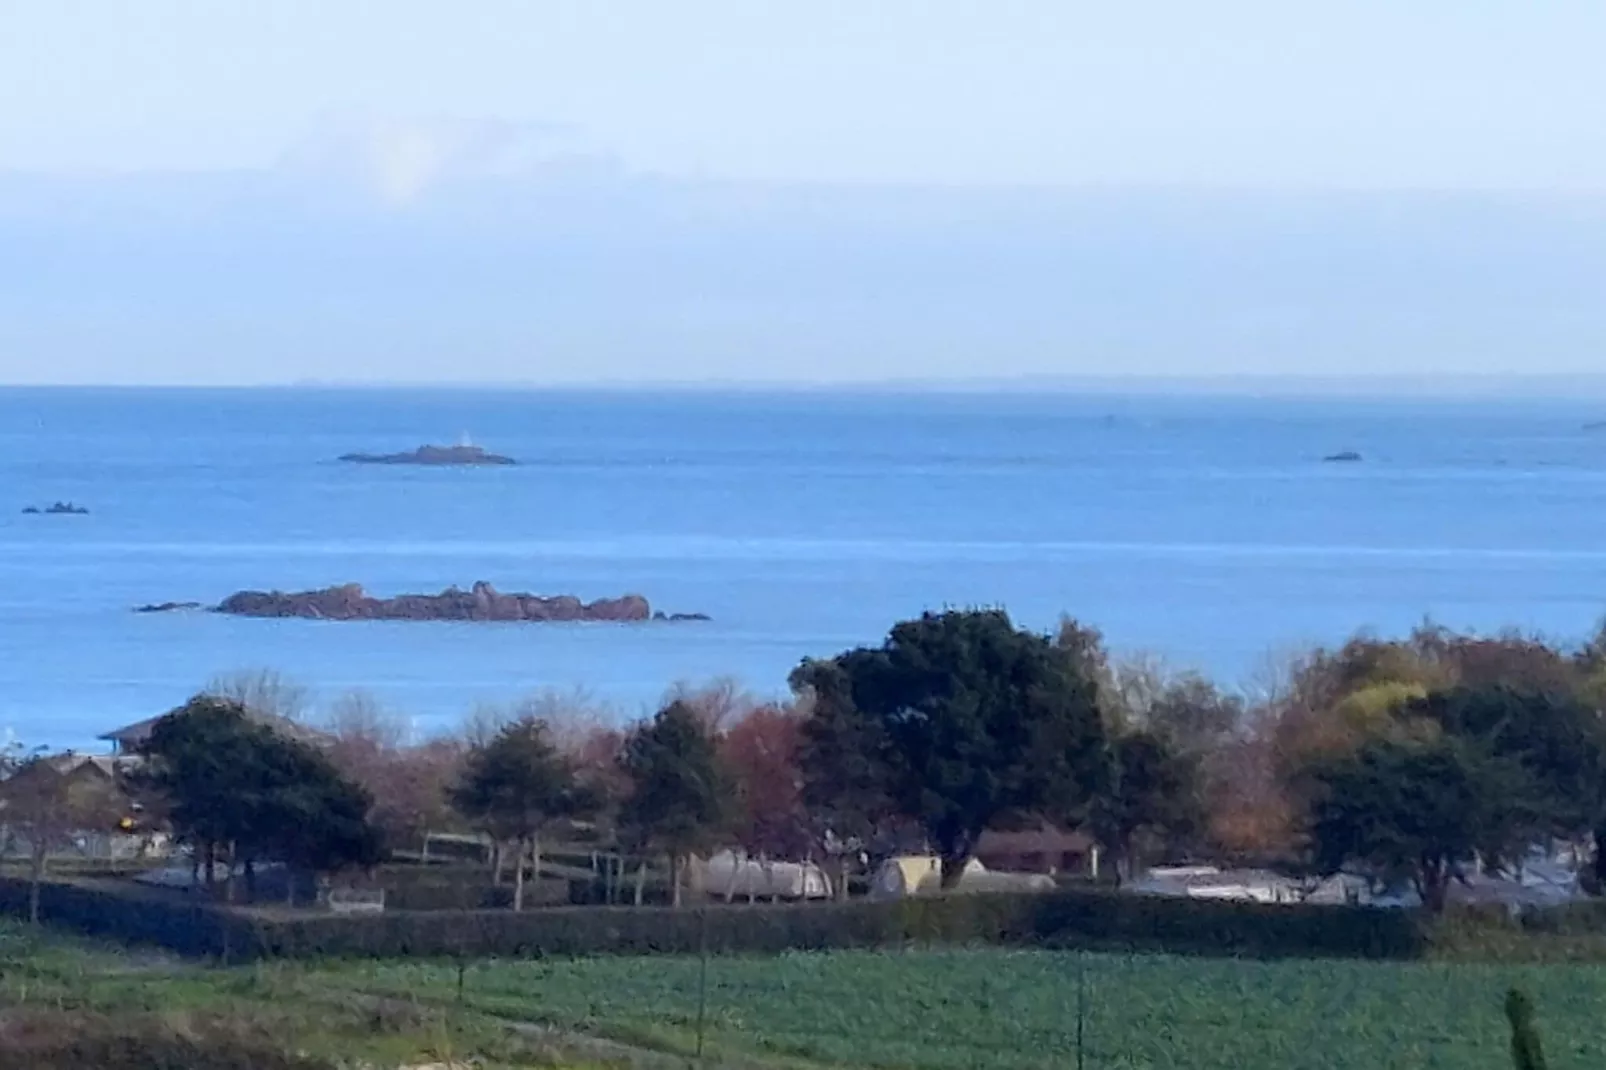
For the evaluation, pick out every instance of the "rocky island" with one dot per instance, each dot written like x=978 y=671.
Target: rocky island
x=432 y=455
x=482 y=602
x=57 y=509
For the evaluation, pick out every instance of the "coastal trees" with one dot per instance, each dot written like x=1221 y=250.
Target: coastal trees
x=1151 y=790
x=47 y=798
x=1414 y=809
x=408 y=781
x=760 y=755
x=841 y=763
x=514 y=787
x=965 y=720
x=232 y=785
x=1556 y=741
x=678 y=798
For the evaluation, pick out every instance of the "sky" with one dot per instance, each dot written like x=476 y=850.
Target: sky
x=714 y=189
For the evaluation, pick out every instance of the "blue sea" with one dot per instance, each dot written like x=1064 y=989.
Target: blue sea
x=1205 y=530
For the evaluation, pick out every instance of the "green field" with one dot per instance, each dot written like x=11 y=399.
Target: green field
x=938 y=1009
x=994 y=1008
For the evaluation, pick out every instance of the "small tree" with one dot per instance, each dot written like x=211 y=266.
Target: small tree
x=1414 y=809
x=678 y=801
x=232 y=782
x=408 y=781
x=514 y=786
x=842 y=758
x=1558 y=742
x=309 y=816
x=975 y=721
x=200 y=759
x=760 y=755
x=1150 y=790
x=50 y=798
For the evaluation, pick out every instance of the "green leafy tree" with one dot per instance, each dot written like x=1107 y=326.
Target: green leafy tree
x=842 y=759
x=970 y=722
x=309 y=815
x=1151 y=790
x=1415 y=809
x=679 y=796
x=515 y=786
x=233 y=785
x=199 y=758
x=1558 y=742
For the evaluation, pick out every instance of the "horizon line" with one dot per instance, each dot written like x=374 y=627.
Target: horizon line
x=1460 y=384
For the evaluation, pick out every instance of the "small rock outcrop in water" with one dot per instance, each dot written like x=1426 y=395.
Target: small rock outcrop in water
x=432 y=455
x=58 y=509
x=1597 y=425
x=166 y=607
x=1346 y=457
x=480 y=603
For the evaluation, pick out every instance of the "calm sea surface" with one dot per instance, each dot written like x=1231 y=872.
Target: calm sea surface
x=1205 y=530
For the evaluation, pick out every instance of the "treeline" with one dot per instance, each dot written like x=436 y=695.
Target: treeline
x=1408 y=761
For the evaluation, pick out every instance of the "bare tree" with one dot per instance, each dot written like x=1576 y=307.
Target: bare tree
x=407 y=782
x=718 y=704
x=358 y=718
x=572 y=717
x=266 y=692
x=47 y=799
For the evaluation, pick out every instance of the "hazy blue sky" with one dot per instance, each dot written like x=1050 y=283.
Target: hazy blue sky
x=1414 y=187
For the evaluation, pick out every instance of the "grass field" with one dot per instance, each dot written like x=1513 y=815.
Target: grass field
x=994 y=1008
x=937 y=1009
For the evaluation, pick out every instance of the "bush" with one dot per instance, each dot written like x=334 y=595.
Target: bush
x=1065 y=919
x=135 y=914
x=457 y=887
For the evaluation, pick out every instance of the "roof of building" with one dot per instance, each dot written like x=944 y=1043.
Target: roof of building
x=132 y=736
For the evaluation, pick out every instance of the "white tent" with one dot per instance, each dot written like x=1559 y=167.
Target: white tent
x=730 y=875
x=909 y=875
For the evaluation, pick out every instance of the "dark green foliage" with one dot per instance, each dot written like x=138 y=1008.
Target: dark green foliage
x=1558 y=740
x=841 y=755
x=1150 y=789
x=229 y=780
x=964 y=720
x=1526 y=1052
x=1414 y=809
x=1067 y=919
x=515 y=786
x=517 y=783
x=679 y=795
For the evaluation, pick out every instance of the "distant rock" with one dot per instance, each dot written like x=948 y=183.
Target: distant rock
x=676 y=617
x=1598 y=425
x=482 y=602
x=57 y=509
x=1346 y=457
x=432 y=455
x=166 y=607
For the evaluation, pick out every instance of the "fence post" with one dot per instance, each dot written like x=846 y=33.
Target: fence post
x=702 y=979
x=1081 y=1009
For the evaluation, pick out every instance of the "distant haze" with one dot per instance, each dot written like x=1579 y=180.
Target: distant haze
x=1026 y=192
x=268 y=278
